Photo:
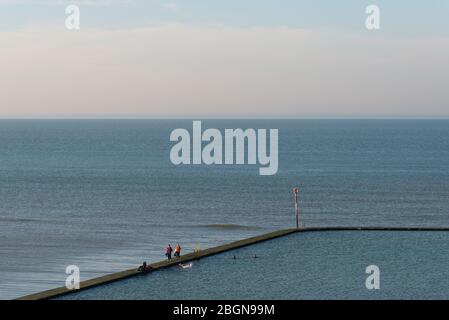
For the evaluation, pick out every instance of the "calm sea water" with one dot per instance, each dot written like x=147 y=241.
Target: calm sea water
x=103 y=194
x=318 y=265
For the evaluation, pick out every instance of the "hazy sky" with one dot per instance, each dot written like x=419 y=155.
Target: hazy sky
x=223 y=58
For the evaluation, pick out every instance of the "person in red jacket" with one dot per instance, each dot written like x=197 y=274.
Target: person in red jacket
x=168 y=251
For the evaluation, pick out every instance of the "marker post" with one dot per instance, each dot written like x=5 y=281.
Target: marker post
x=296 y=197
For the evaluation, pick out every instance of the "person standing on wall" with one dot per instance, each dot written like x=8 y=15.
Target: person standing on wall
x=177 y=250
x=168 y=251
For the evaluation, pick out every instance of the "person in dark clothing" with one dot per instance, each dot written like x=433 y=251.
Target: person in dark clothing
x=144 y=267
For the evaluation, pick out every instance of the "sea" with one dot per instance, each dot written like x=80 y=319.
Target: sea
x=103 y=194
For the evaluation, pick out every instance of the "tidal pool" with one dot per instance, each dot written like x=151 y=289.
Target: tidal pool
x=310 y=265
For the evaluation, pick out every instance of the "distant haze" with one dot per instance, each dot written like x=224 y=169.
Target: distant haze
x=182 y=69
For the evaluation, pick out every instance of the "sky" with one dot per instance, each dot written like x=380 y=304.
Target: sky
x=246 y=58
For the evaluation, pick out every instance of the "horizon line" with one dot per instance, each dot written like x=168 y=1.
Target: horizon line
x=446 y=117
